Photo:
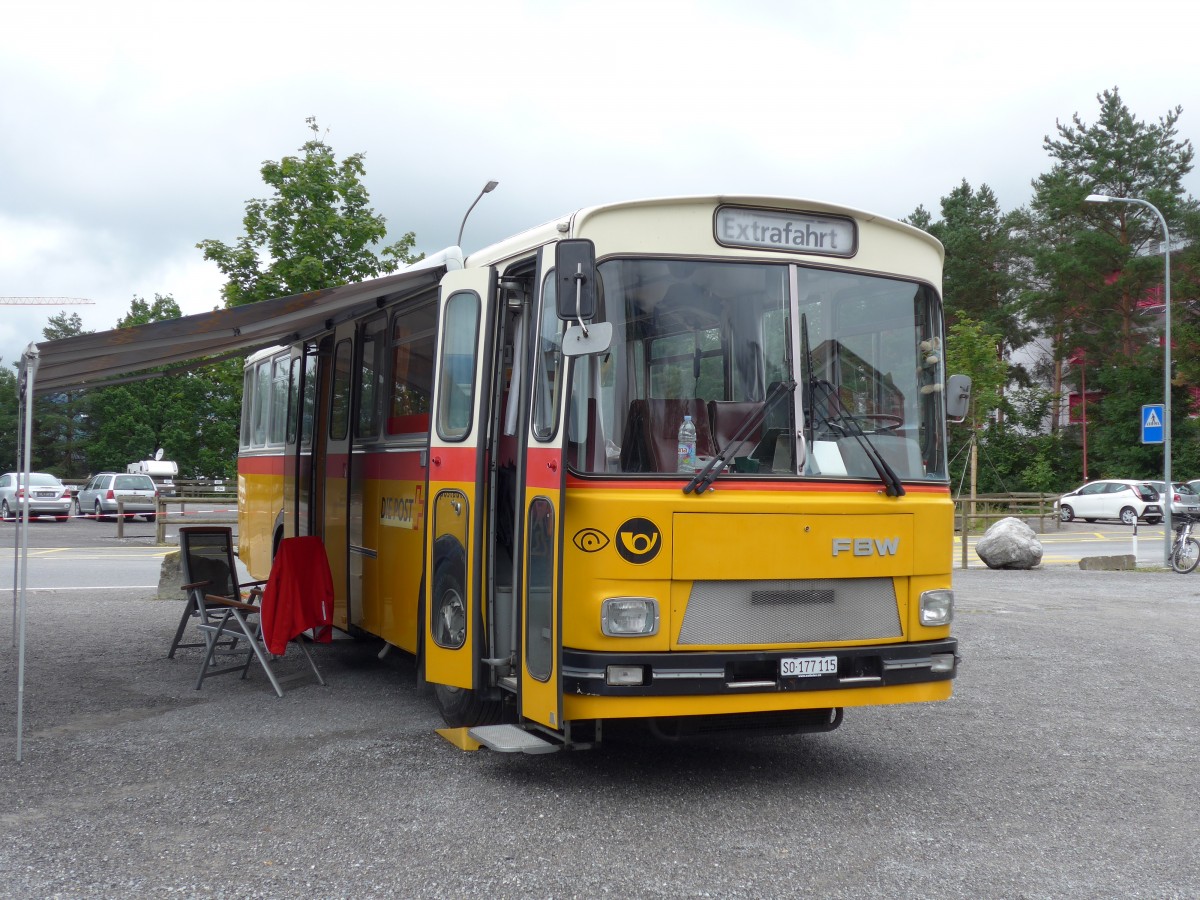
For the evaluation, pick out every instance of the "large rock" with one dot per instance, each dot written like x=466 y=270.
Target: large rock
x=1009 y=544
x=170 y=578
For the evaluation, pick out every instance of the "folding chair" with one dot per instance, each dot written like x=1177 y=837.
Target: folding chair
x=206 y=560
x=207 y=556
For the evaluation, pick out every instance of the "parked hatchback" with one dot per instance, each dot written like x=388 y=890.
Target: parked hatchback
x=47 y=496
x=1126 y=501
x=1184 y=500
x=99 y=496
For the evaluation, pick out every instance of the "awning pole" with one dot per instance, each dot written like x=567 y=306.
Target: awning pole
x=30 y=359
x=18 y=464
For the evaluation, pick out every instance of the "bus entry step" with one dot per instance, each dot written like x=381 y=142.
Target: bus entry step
x=511 y=739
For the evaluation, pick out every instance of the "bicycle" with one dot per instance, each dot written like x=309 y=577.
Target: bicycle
x=1185 y=552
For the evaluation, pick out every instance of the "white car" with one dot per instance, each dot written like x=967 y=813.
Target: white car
x=1126 y=501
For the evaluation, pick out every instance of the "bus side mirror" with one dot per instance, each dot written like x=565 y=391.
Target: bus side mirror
x=958 y=397
x=596 y=338
x=575 y=267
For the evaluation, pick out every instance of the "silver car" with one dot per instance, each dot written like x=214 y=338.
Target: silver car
x=47 y=496
x=1184 y=499
x=99 y=496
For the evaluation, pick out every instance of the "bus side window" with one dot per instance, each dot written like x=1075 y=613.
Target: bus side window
x=279 y=395
x=293 y=403
x=413 y=336
x=547 y=364
x=456 y=395
x=247 y=408
x=262 y=402
x=370 y=378
x=339 y=410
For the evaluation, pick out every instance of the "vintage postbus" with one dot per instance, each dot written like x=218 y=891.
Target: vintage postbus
x=492 y=459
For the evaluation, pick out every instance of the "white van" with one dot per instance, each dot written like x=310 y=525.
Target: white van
x=162 y=471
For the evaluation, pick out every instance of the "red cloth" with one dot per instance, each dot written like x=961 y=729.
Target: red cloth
x=298 y=595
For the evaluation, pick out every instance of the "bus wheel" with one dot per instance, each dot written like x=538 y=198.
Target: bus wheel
x=462 y=707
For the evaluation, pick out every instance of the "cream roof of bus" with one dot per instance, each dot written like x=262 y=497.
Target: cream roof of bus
x=99 y=358
x=685 y=225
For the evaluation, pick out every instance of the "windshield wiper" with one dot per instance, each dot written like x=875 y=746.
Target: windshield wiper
x=846 y=423
x=703 y=479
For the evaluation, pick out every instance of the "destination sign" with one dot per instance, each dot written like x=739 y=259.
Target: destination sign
x=774 y=229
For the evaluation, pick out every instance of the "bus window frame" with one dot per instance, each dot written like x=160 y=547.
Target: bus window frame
x=426 y=337
x=341 y=391
x=445 y=388
x=373 y=335
x=547 y=380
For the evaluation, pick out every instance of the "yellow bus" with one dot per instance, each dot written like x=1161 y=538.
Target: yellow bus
x=494 y=461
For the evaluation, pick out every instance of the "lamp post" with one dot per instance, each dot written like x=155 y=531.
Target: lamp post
x=1168 y=487
x=487 y=189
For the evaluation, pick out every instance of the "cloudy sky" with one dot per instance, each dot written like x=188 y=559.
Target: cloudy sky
x=131 y=131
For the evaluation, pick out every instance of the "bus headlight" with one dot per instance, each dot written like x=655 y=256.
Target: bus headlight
x=937 y=608
x=629 y=616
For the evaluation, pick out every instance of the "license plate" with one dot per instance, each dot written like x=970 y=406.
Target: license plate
x=807 y=666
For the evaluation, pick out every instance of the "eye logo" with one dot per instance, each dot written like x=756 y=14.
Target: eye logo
x=589 y=540
x=638 y=541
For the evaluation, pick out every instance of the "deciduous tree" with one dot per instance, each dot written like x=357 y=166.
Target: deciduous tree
x=317 y=230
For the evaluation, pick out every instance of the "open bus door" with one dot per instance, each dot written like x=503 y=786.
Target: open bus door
x=565 y=304
x=455 y=512
x=542 y=483
x=334 y=505
x=298 y=441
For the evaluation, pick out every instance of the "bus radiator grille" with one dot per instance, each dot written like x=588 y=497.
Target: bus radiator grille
x=790 y=612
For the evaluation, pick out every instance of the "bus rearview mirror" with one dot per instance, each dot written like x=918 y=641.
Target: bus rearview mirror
x=958 y=397
x=575 y=265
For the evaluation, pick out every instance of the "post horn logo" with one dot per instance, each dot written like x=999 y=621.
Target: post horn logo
x=638 y=541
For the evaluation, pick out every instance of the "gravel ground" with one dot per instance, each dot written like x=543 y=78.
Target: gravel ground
x=1065 y=766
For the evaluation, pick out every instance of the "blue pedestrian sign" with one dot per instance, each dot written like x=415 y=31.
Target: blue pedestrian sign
x=1152 y=423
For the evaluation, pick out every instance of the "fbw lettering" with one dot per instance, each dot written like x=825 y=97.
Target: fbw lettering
x=866 y=546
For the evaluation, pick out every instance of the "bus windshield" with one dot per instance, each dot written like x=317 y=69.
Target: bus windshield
x=857 y=358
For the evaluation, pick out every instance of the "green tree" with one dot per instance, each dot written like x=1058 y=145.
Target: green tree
x=61 y=431
x=317 y=230
x=8 y=418
x=973 y=350
x=1098 y=261
x=1098 y=271
x=981 y=279
x=191 y=416
x=1115 y=449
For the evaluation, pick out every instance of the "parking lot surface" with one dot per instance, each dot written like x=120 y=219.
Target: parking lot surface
x=1064 y=766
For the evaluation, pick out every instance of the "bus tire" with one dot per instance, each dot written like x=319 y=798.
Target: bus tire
x=463 y=707
x=460 y=707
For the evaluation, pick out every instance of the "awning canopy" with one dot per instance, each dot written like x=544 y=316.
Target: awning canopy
x=91 y=360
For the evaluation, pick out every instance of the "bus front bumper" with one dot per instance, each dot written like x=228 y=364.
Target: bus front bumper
x=732 y=673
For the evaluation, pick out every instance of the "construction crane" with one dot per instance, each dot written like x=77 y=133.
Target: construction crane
x=45 y=301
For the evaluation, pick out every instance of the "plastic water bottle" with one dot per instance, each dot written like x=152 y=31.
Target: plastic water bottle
x=687 y=446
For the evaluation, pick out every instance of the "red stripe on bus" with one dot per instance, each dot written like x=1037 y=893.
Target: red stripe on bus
x=544 y=469
x=402 y=466
x=452 y=463
x=261 y=465
x=792 y=487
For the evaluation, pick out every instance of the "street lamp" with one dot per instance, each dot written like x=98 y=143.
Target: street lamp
x=487 y=189
x=1169 y=490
